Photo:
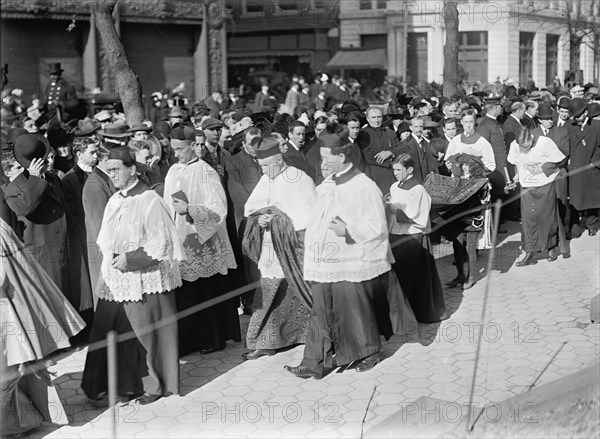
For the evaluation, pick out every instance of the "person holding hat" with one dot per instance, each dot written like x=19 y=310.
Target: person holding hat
x=418 y=146
x=38 y=200
x=536 y=164
x=60 y=96
x=278 y=211
x=584 y=165
x=140 y=269
x=350 y=308
x=198 y=202
x=439 y=145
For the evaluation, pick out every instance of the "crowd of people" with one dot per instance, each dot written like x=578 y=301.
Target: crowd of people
x=319 y=207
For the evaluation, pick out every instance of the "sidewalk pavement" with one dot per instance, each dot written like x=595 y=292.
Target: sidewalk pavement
x=537 y=330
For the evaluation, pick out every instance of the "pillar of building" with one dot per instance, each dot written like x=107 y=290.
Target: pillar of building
x=586 y=58
x=90 y=60
x=563 y=55
x=499 y=56
x=435 y=54
x=396 y=47
x=539 y=59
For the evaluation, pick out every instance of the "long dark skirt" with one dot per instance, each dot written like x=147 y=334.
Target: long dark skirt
x=279 y=317
x=418 y=276
x=343 y=321
x=212 y=327
x=539 y=218
x=131 y=356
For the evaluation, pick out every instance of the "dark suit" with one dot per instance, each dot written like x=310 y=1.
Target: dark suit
x=584 y=185
x=510 y=128
x=244 y=173
x=79 y=274
x=297 y=159
x=490 y=130
x=377 y=140
x=40 y=205
x=95 y=194
x=425 y=162
x=560 y=136
x=529 y=122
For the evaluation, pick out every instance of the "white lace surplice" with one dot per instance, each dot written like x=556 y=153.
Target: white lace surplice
x=295 y=196
x=130 y=223
x=204 y=232
x=330 y=258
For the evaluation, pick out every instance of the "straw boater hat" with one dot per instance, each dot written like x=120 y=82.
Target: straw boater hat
x=103 y=116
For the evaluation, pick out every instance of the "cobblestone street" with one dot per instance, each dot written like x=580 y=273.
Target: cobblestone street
x=531 y=312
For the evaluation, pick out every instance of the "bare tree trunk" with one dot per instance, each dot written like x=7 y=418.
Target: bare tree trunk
x=450 y=87
x=128 y=84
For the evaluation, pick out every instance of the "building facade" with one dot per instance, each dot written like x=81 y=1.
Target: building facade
x=522 y=40
x=166 y=42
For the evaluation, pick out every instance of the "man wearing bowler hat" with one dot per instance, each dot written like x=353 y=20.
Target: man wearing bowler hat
x=61 y=97
x=584 y=166
x=38 y=200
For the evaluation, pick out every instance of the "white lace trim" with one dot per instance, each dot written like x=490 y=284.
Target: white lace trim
x=205 y=260
x=347 y=272
x=206 y=221
x=131 y=286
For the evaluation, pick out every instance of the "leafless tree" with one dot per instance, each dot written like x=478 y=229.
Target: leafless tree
x=451 y=48
x=128 y=84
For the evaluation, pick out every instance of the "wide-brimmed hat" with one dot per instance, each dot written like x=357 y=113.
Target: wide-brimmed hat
x=576 y=89
x=55 y=68
x=28 y=147
x=103 y=116
x=577 y=106
x=113 y=130
x=86 y=127
x=593 y=109
x=545 y=111
x=139 y=126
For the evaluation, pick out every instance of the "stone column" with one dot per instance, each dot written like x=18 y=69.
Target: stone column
x=586 y=58
x=539 y=59
x=210 y=57
x=90 y=60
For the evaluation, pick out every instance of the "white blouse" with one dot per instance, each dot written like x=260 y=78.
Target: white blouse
x=416 y=204
x=529 y=161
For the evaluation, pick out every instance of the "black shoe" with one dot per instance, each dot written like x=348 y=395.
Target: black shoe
x=367 y=363
x=592 y=232
x=566 y=255
x=257 y=353
x=147 y=398
x=552 y=255
x=529 y=259
x=456 y=281
x=502 y=231
x=302 y=372
x=210 y=350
